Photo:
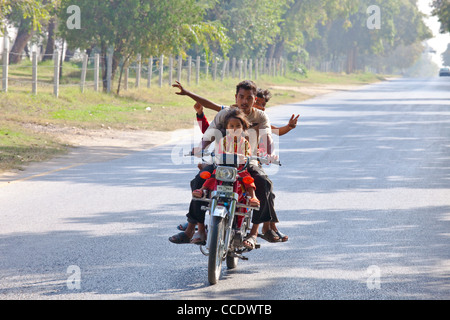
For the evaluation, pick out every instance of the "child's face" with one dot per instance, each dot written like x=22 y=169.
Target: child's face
x=234 y=127
x=260 y=104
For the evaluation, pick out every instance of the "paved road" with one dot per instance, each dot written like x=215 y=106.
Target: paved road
x=364 y=194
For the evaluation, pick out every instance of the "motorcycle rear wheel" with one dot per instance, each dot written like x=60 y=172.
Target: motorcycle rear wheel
x=216 y=249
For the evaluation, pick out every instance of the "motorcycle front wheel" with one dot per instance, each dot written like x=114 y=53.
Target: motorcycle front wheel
x=216 y=249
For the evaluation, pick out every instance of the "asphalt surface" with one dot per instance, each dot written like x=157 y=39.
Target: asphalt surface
x=363 y=194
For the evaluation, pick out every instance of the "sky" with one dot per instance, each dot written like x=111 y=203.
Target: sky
x=440 y=41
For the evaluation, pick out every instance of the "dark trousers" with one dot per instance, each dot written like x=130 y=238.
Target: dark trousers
x=265 y=195
x=263 y=191
x=196 y=214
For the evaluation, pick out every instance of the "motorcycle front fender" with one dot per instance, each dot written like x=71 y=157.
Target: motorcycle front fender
x=220 y=211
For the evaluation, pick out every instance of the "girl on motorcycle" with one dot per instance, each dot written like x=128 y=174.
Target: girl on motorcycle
x=233 y=143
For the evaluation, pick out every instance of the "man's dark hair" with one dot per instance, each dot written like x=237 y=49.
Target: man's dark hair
x=265 y=94
x=247 y=85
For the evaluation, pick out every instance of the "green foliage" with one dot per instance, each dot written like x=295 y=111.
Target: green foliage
x=441 y=9
x=401 y=24
x=252 y=24
x=132 y=27
x=207 y=35
x=326 y=29
x=35 y=10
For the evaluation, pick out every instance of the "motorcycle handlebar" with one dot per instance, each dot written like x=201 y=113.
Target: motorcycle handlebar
x=264 y=160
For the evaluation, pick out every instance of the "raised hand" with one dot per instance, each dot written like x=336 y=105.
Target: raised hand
x=293 y=121
x=178 y=85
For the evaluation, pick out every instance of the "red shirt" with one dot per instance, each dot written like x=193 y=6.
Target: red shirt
x=202 y=122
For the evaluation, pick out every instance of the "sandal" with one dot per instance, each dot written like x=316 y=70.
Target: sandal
x=199 y=238
x=183 y=226
x=283 y=237
x=270 y=236
x=180 y=238
x=250 y=242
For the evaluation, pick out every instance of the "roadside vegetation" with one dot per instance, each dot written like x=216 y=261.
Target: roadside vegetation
x=156 y=109
x=343 y=35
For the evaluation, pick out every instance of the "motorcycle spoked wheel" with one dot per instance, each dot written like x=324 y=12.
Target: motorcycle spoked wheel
x=216 y=249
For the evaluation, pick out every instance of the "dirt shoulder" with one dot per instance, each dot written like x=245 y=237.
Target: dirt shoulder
x=317 y=90
x=136 y=140
x=88 y=146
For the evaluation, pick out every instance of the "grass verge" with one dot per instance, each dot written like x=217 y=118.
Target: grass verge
x=158 y=109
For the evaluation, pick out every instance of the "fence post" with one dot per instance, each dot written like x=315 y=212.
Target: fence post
x=250 y=69
x=150 y=72
x=240 y=69
x=215 y=70
x=233 y=68
x=269 y=71
x=96 y=71
x=189 y=69
x=56 y=73
x=161 y=70
x=275 y=67
x=245 y=68
x=261 y=65
x=109 y=71
x=34 y=72
x=138 y=71
x=5 y=63
x=180 y=67
x=198 y=70
x=170 y=69
x=83 y=72
x=224 y=69
x=125 y=78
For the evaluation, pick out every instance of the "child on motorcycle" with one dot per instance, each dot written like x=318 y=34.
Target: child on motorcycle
x=232 y=143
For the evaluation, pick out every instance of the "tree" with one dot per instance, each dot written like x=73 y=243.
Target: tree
x=304 y=19
x=441 y=9
x=252 y=24
x=446 y=56
x=34 y=10
x=146 y=27
x=28 y=16
x=401 y=24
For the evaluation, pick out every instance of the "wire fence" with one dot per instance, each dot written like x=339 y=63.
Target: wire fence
x=96 y=72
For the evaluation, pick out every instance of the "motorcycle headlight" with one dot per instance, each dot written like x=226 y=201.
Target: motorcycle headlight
x=227 y=174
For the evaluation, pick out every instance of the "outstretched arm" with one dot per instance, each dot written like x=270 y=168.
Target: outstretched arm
x=285 y=129
x=204 y=102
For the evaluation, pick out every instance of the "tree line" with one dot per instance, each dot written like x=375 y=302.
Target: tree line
x=385 y=34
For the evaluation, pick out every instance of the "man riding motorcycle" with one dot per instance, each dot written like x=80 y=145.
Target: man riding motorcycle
x=245 y=98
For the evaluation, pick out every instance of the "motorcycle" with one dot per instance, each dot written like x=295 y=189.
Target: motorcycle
x=229 y=221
